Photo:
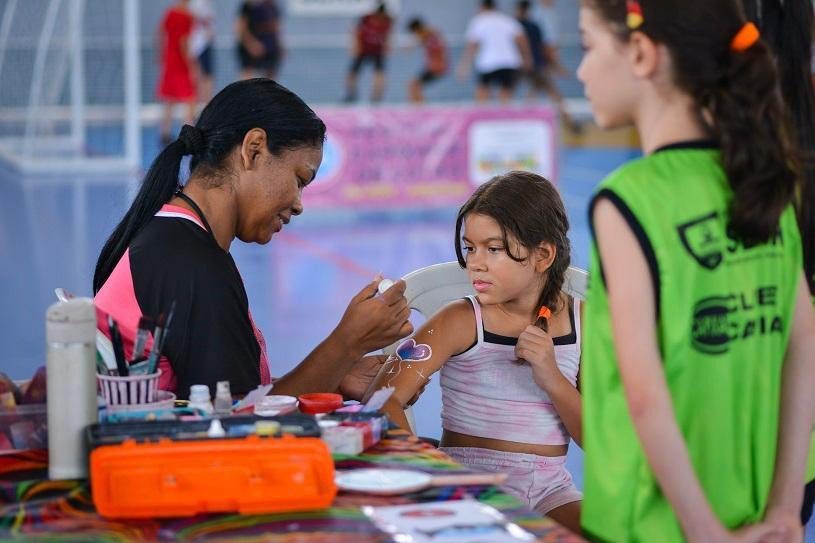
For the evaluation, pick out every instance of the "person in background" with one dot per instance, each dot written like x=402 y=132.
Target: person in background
x=540 y=76
x=498 y=47
x=547 y=14
x=698 y=372
x=787 y=28
x=435 y=65
x=202 y=43
x=177 y=81
x=510 y=402
x=260 y=45
x=254 y=150
x=370 y=45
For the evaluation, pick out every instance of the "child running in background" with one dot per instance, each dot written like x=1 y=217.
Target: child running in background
x=435 y=64
x=177 y=83
x=698 y=369
x=510 y=402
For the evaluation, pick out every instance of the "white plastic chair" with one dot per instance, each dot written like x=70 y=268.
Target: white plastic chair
x=429 y=288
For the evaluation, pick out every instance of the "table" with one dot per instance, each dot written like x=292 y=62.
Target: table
x=33 y=506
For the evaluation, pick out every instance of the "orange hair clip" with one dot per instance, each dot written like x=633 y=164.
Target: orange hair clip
x=544 y=313
x=634 y=18
x=745 y=38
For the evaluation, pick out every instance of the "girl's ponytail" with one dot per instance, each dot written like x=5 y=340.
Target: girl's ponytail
x=748 y=119
x=787 y=28
x=158 y=187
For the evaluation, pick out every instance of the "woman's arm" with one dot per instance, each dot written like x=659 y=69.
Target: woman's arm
x=370 y=322
x=633 y=319
x=797 y=413
x=448 y=332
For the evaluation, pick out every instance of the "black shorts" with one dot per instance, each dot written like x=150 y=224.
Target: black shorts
x=377 y=60
x=809 y=499
x=205 y=60
x=270 y=61
x=504 y=78
x=428 y=77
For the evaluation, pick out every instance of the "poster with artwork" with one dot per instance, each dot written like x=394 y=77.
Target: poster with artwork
x=427 y=157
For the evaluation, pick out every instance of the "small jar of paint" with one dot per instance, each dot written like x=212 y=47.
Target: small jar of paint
x=319 y=402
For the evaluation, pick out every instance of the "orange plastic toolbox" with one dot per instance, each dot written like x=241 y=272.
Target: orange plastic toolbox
x=249 y=475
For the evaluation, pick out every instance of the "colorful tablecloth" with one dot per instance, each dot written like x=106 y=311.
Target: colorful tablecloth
x=31 y=506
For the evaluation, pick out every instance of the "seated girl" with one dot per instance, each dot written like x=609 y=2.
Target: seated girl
x=509 y=393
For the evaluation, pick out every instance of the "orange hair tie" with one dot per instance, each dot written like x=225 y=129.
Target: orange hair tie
x=544 y=313
x=745 y=38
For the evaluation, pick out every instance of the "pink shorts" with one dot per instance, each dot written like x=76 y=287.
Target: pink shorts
x=542 y=482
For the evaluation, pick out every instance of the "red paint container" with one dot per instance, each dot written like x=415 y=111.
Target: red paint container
x=319 y=402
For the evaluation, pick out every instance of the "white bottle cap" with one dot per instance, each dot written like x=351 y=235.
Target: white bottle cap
x=199 y=392
x=222 y=388
x=73 y=321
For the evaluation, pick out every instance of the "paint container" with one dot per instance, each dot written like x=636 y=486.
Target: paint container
x=200 y=399
x=343 y=439
x=319 y=402
x=223 y=398
x=270 y=406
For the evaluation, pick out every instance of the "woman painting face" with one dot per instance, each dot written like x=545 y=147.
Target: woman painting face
x=272 y=194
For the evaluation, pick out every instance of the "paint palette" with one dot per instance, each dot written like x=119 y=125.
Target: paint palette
x=388 y=482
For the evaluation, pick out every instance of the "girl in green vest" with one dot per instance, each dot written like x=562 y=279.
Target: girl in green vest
x=698 y=374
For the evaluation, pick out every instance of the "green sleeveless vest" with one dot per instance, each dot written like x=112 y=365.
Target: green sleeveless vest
x=724 y=313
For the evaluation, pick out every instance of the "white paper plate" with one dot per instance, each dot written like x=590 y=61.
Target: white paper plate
x=382 y=481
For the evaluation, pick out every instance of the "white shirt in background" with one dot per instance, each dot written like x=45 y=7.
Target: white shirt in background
x=203 y=32
x=495 y=33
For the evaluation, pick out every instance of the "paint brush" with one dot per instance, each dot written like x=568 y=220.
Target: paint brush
x=145 y=323
x=118 y=349
x=159 y=337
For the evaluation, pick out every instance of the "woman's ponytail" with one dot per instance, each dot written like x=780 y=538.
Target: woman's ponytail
x=158 y=187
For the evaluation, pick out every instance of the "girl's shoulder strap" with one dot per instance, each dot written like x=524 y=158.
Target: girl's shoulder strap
x=479 y=321
x=577 y=304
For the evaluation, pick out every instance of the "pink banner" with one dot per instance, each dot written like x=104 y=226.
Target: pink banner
x=433 y=156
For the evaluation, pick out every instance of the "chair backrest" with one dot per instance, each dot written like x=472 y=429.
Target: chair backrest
x=429 y=288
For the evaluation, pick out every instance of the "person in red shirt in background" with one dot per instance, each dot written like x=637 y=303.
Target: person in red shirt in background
x=177 y=84
x=435 y=58
x=370 y=45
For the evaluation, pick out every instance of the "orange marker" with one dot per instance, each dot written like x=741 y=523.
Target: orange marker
x=542 y=321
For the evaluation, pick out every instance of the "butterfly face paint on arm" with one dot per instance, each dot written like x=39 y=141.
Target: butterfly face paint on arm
x=409 y=355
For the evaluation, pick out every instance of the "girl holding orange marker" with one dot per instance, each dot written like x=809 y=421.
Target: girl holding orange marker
x=498 y=414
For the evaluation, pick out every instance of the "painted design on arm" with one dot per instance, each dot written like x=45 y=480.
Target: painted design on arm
x=409 y=353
